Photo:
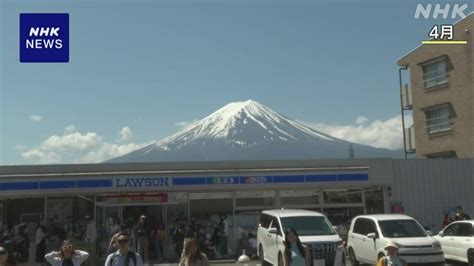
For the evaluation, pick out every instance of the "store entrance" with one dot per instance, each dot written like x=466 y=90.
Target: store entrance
x=112 y=216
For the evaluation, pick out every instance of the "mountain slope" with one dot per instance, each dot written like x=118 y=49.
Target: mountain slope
x=249 y=131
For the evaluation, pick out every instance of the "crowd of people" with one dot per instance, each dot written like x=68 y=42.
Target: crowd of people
x=131 y=243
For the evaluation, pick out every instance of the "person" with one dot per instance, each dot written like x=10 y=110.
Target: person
x=193 y=256
x=90 y=236
x=67 y=255
x=5 y=258
x=142 y=235
x=159 y=238
x=123 y=256
x=71 y=230
x=447 y=220
x=178 y=237
x=21 y=245
x=40 y=242
x=223 y=233
x=7 y=236
x=115 y=228
x=460 y=215
x=392 y=258
x=189 y=234
x=113 y=241
x=295 y=252
x=252 y=245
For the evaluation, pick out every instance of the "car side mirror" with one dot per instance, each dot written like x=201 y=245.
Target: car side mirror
x=372 y=235
x=441 y=234
x=273 y=231
x=429 y=232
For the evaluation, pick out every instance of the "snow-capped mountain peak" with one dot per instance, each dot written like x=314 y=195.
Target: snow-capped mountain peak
x=245 y=130
x=233 y=122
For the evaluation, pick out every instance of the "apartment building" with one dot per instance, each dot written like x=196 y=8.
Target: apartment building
x=440 y=94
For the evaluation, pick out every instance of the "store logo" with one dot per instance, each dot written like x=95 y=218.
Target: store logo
x=223 y=180
x=142 y=182
x=255 y=179
x=44 y=37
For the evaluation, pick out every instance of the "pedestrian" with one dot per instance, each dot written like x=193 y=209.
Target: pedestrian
x=296 y=254
x=392 y=258
x=40 y=242
x=67 y=255
x=113 y=247
x=158 y=239
x=71 y=231
x=5 y=258
x=447 y=220
x=222 y=231
x=21 y=245
x=142 y=235
x=460 y=215
x=189 y=234
x=90 y=237
x=193 y=256
x=178 y=238
x=7 y=237
x=123 y=256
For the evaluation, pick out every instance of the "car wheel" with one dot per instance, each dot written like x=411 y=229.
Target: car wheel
x=470 y=257
x=280 y=259
x=352 y=257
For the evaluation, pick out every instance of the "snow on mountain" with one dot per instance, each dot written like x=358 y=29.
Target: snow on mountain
x=248 y=131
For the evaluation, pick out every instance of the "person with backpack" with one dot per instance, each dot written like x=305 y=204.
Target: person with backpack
x=392 y=258
x=67 y=255
x=123 y=256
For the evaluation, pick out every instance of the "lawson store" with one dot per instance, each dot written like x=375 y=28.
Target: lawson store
x=167 y=192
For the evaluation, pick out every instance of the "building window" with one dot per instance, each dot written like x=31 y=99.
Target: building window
x=438 y=120
x=435 y=74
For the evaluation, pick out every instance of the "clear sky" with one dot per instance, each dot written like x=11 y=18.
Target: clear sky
x=139 y=70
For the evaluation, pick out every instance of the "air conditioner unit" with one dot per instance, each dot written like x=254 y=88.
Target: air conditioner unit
x=410 y=139
x=407 y=101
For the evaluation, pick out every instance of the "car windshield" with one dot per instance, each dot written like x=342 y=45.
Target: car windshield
x=401 y=228
x=308 y=225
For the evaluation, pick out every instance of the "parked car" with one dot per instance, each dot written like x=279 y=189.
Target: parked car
x=457 y=241
x=313 y=228
x=369 y=234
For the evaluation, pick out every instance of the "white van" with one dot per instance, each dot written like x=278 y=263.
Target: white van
x=313 y=228
x=368 y=236
x=457 y=241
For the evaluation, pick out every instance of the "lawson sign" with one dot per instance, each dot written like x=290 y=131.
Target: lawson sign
x=141 y=182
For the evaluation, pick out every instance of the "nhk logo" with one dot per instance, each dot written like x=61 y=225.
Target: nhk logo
x=436 y=11
x=44 y=37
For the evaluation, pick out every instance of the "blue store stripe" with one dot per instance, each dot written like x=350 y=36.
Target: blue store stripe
x=57 y=184
x=94 y=183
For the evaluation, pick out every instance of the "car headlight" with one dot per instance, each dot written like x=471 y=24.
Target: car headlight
x=340 y=244
x=436 y=244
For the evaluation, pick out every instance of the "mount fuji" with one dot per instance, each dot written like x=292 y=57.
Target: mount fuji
x=249 y=131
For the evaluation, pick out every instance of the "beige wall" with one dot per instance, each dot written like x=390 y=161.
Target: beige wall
x=459 y=92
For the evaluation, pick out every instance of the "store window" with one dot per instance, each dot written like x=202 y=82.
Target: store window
x=299 y=198
x=374 y=201
x=342 y=196
x=255 y=199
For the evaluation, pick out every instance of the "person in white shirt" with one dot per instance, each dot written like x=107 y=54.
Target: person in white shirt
x=67 y=256
x=123 y=256
x=90 y=236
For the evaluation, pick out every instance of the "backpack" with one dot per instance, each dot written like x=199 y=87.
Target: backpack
x=130 y=254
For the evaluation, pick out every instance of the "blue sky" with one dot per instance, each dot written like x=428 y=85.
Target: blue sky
x=148 y=65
